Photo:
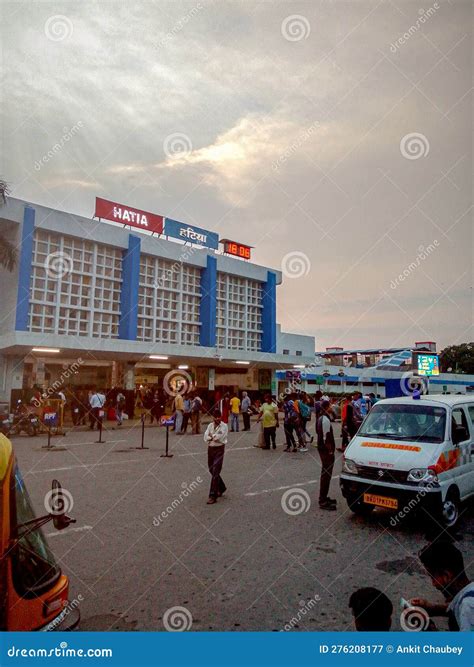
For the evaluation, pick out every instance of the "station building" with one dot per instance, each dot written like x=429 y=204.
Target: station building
x=94 y=302
x=386 y=372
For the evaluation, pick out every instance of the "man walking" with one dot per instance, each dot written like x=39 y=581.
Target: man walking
x=97 y=402
x=234 y=413
x=326 y=449
x=246 y=403
x=186 y=413
x=119 y=407
x=196 y=407
x=216 y=439
x=178 y=413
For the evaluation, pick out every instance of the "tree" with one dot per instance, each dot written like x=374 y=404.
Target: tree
x=457 y=358
x=7 y=249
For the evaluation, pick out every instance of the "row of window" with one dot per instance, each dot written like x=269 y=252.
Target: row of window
x=75 y=287
x=239 y=313
x=76 y=290
x=169 y=298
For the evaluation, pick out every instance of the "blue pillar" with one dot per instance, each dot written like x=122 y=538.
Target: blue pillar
x=269 y=313
x=129 y=296
x=208 y=307
x=24 y=269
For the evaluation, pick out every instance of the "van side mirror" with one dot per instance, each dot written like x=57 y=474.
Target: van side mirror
x=59 y=505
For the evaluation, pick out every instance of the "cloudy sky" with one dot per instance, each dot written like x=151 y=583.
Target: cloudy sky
x=335 y=137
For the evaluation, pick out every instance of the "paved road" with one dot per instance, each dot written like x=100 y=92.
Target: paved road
x=145 y=541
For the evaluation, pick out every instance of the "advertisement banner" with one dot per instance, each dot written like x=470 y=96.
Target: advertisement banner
x=191 y=234
x=127 y=215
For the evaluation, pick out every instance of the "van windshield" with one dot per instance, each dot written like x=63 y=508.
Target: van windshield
x=414 y=421
x=33 y=566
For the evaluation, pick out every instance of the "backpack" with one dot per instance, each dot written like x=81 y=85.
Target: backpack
x=305 y=410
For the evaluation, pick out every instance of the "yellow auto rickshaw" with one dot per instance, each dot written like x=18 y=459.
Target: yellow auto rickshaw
x=33 y=590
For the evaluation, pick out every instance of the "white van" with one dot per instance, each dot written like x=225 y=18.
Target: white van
x=412 y=453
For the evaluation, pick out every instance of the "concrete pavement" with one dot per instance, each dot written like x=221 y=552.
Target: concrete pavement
x=146 y=543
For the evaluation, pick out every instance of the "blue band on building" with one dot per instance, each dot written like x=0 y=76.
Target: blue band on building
x=208 y=305
x=24 y=269
x=130 y=285
x=269 y=313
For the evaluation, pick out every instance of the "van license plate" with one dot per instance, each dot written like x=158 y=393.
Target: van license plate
x=381 y=501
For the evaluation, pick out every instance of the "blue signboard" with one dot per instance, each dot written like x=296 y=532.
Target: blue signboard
x=191 y=234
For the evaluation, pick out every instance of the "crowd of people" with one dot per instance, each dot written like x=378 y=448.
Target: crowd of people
x=298 y=409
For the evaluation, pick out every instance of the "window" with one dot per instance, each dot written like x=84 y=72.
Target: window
x=459 y=426
x=418 y=423
x=239 y=313
x=75 y=286
x=34 y=569
x=299 y=353
x=286 y=351
x=471 y=413
x=169 y=298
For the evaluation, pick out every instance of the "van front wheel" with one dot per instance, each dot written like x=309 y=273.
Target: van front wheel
x=451 y=509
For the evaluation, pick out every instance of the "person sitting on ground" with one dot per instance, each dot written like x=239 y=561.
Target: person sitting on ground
x=445 y=565
x=372 y=610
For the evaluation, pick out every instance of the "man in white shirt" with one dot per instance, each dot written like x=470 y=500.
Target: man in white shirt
x=216 y=439
x=97 y=402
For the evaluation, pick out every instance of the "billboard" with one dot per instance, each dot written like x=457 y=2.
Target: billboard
x=191 y=234
x=127 y=215
x=428 y=364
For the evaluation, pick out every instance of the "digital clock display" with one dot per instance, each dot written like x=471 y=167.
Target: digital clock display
x=237 y=249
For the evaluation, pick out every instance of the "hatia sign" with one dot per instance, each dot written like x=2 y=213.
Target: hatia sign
x=191 y=234
x=127 y=215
